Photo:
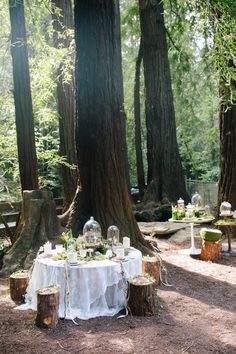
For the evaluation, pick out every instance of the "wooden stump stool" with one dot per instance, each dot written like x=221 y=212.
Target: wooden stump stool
x=18 y=284
x=211 y=250
x=151 y=266
x=47 y=307
x=142 y=299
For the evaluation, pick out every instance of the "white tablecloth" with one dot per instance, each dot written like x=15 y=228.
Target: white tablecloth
x=92 y=289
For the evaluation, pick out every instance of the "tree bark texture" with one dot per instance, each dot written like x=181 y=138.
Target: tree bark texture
x=211 y=251
x=137 y=120
x=227 y=182
x=47 y=308
x=165 y=177
x=62 y=22
x=142 y=299
x=22 y=97
x=151 y=265
x=102 y=191
x=39 y=224
x=18 y=285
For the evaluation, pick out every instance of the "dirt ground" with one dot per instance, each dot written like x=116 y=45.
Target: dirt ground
x=197 y=314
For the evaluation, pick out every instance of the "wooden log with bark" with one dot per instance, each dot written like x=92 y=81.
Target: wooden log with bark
x=211 y=250
x=38 y=224
x=142 y=296
x=47 y=307
x=18 y=284
x=151 y=265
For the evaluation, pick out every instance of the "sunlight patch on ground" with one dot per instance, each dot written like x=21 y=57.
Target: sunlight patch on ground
x=221 y=272
x=124 y=345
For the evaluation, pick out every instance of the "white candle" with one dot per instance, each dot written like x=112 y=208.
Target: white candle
x=126 y=242
x=59 y=248
x=72 y=257
x=47 y=248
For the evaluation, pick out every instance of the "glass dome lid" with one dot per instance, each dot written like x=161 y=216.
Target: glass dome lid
x=113 y=233
x=196 y=199
x=225 y=208
x=92 y=231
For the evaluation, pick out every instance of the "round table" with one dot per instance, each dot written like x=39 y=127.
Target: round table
x=96 y=288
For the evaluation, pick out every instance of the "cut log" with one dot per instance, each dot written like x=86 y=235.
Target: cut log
x=18 y=284
x=47 y=307
x=211 y=251
x=151 y=266
x=38 y=224
x=142 y=299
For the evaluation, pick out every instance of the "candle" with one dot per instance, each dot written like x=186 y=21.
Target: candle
x=126 y=242
x=59 y=248
x=47 y=248
x=72 y=257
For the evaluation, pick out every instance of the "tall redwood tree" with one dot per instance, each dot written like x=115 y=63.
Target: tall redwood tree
x=137 y=120
x=22 y=97
x=62 y=24
x=102 y=191
x=165 y=178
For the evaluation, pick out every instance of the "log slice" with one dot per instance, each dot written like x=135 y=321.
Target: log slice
x=47 y=307
x=142 y=299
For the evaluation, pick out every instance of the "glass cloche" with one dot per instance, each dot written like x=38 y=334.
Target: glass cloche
x=225 y=209
x=92 y=231
x=113 y=233
x=196 y=199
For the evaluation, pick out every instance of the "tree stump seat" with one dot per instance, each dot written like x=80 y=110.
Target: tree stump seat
x=18 y=284
x=142 y=299
x=47 y=307
x=151 y=265
x=211 y=250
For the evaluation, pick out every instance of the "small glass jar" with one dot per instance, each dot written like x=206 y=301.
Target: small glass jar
x=180 y=203
x=113 y=233
x=190 y=210
x=92 y=231
x=120 y=251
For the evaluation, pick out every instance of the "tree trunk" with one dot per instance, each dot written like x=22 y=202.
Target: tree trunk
x=227 y=185
x=22 y=97
x=39 y=224
x=103 y=190
x=62 y=22
x=137 y=119
x=165 y=177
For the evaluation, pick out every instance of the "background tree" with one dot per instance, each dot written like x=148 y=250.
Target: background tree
x=62 y=25
x=165 y=177
x=103 y=190
x=22 y=97
x=137 y=118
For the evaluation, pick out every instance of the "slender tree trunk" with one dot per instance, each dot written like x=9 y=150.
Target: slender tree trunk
x=137 y=119
x=62 y=22
x=22 y=97
x=103 y=190
x=227 y=184
x=165 y=177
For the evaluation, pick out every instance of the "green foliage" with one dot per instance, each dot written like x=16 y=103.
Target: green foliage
x=44 y=61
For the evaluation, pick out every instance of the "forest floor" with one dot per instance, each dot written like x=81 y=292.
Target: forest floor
x=197 y=314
